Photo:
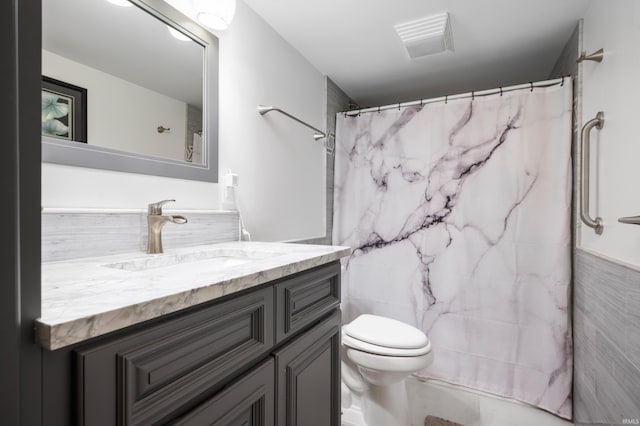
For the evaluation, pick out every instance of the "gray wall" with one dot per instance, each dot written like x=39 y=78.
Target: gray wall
x=606 y=335
x=337 y=101
x=20 y=357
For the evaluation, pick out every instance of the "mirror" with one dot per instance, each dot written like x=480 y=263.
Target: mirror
x=129 y=86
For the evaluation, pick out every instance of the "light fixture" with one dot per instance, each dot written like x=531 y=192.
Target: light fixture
x=123 y=3
x=215 y=14
x=177 y=34
x=426 y=36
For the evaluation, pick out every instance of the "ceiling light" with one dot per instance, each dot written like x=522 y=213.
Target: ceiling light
x=215 y=14
x=426 y=36
x=177 y=34
x=123 y=3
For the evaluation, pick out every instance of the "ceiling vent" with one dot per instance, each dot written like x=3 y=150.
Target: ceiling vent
x=426 y=36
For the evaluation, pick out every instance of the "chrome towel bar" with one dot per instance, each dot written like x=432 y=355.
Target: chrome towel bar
x=585 y=138
x=319 y=134
x=632 y=220
x=262 y=110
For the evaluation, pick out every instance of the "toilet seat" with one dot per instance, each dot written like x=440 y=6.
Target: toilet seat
x=360 y=345
x=385 y=336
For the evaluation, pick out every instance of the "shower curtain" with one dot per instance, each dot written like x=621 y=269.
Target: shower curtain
x=459 y=217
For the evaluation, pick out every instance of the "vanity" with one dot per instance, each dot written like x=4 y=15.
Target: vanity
x=212 y=331
x=227 y=333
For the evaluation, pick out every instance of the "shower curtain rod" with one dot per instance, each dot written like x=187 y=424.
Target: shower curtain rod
x=530 y=85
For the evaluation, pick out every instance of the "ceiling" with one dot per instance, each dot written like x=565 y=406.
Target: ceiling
x=126 y=42
x=497 y=43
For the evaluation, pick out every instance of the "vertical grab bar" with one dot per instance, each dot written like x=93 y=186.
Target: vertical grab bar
x=585 y=138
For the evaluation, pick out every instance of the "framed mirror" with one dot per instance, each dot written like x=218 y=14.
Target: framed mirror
x=131 y=86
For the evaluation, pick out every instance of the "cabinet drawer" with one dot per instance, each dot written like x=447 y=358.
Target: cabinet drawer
x=153 y=373
x=249 y=401
x=306 y=298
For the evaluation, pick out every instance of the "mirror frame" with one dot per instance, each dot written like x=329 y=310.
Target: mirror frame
x=96 y=157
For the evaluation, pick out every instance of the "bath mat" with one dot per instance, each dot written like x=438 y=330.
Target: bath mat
x=437 y=421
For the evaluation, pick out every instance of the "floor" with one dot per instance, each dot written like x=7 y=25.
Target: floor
x=471 y=408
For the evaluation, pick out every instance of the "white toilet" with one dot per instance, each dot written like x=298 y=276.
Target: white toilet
x=378 y=353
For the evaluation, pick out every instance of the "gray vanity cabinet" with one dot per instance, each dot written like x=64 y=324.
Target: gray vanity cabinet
x=263 y=356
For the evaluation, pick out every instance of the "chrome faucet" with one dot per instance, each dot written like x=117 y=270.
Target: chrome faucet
x=155 y=222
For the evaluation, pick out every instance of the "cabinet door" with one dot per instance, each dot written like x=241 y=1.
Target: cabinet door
x=248 y=402
x=154 y=374
x=308 y=377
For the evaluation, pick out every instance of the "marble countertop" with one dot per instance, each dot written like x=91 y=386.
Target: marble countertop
x=89 y=297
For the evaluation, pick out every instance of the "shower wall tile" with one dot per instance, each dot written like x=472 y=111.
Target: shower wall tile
x=586 y=358
x=605 y=303
x=606 y=341
x=337 y=101
x=584 y=398
x=69 y=235
x=620 y=398
x=633 y=333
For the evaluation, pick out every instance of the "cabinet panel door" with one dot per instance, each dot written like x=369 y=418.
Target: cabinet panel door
x=248 y=402
x=308 y=377
x=304 y=299
x=151 y=375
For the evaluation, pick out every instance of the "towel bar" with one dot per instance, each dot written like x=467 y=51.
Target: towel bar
x=633 y=220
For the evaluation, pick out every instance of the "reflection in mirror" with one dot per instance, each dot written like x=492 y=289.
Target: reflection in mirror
x=143 y=83
x=120 y=79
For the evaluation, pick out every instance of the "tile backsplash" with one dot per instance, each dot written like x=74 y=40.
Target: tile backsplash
x=75 y=234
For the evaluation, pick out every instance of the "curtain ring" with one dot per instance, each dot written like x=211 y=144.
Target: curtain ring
x=421 y=101
x=531 y=83
x=500 y=90
x=473 y=96
x=562 y=83
x=398 y=106
x=378 y=109
x=446 y=99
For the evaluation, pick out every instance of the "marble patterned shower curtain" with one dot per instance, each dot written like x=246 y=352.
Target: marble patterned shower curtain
x=458 y=214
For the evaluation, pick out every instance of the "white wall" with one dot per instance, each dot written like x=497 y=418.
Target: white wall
x=281 y=168
x=123 y=115
x=611 y=86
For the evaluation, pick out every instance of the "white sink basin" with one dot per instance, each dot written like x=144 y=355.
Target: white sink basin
x=213 y=258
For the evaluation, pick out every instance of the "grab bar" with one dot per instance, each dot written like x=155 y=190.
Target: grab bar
x=585 y=137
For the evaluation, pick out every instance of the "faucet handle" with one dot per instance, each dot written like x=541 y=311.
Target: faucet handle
x=156 y=208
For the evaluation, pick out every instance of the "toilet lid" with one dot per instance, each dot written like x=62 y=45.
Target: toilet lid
x=359 y=345
x=386 y=332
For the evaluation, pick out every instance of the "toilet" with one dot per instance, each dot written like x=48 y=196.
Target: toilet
x=378 y=354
